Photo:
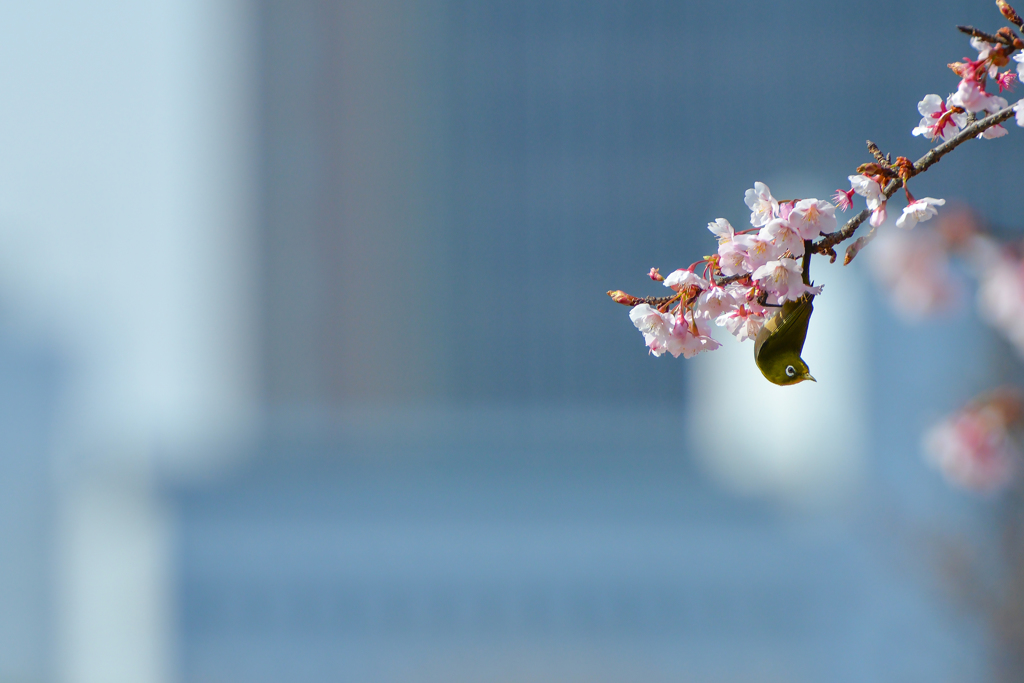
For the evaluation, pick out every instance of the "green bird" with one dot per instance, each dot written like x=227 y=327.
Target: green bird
x=778 y=345
x=780 y=342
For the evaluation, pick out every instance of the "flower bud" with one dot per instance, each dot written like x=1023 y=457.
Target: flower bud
x=655 y=275
x=1010 y=13
x=904 y=168
x=1006 y=35
x=620 y=297
x=873 y=169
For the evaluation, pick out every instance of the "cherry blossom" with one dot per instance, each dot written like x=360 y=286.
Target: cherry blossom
x=878 y=215
x=973 y=448
x=990 y=53
x=1000 y=290
x=1006 y=80
x=654 y=325
x=919 y=211
x=759 y=251
x=744 y=253
x=785 y=209
x=746 y=295
x=722 y=229
x=1019 y=113
x=971 y=96
x=811 y=218
x=732 y=256
x=665 y=332
x=785 y=238
x=869 y=189
x=693 y=335
x=742 y=322
x=683 y=278
x=1019 y=58
x=714 y=302
x=996 y=131
x=843 y=198
x=784 y=279
x=763 y=207
x=938 y=122
x=915 y=272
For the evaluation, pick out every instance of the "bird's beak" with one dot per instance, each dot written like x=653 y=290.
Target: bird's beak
x=807 y=375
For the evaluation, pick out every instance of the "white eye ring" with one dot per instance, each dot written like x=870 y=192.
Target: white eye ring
x=790 y=371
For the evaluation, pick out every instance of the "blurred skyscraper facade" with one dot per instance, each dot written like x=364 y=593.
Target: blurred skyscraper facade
x=313 y=377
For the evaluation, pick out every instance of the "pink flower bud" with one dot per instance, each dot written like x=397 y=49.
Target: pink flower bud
x=843 y=198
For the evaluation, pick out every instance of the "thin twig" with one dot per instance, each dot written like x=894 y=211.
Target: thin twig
x=978 y=33
x=827 y=243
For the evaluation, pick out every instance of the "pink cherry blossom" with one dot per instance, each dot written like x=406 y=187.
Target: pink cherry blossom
x=996 y=131
x=784 y=279
x=1006 y=80
x=785 y=209
x=741 y=322
x=714 y=302
x=655 y=275
x=973 y=448
x=1000 y=290
x=763 y=207
x=938 y=121
x=746 y=296
x=878 y=215
x=972 y=96
x=919 y=211
x=759 y=251
x=1019 y=115
x=1019 y=58
x=691 y=336
x=869 y=189
x=811 y=218
x=732 y=256
x=722 y=229
x=843 y=198
x=985 y=54
x=654 y=325
x=781 y=233
x=916 y=273
x=676 y=335
x=683 y=278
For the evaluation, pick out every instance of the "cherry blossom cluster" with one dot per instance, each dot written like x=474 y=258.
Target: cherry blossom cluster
x=921 y=280
x=1001 y=289
x=753 y=270
x=975 y=447
x=764 y=266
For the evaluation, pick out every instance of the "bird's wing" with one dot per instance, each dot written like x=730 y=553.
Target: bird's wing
x=788 y=325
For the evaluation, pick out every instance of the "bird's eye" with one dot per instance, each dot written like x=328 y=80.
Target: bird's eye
x=790 y=371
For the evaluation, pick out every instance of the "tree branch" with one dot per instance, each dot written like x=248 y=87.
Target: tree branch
x=826 y=245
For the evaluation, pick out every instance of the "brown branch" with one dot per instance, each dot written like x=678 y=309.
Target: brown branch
x=977 y=33
x=722 y=281
x=657 y=301
x=621 y=297
x=883 y=160
x=828 y=243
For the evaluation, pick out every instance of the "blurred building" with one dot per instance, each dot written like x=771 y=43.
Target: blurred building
x=310 y=374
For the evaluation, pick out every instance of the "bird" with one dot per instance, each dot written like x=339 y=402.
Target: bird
x=778 y=345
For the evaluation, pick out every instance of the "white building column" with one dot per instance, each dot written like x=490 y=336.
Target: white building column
x=127 y=246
